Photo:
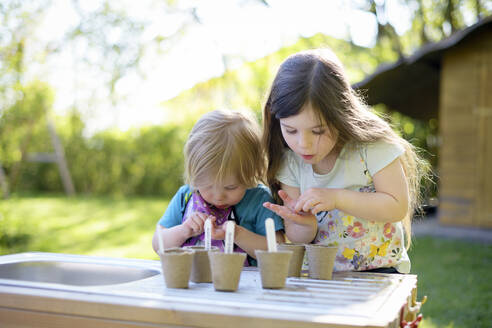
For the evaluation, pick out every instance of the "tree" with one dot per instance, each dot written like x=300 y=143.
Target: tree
x=431 y=21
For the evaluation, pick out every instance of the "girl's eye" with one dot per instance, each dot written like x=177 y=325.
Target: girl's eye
x=231 y=187
x=290 y=131
x=318 y=132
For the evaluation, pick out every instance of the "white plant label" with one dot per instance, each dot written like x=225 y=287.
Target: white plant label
x=229 y=237
x=270 y=232
x=208 y=234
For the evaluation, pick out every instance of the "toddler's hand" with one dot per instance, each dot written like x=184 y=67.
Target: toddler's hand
x=218 y=232
x=195 y=223
x=316 y=200
x=288 y=211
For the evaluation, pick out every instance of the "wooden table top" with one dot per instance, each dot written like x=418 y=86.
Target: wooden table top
x=350 y=299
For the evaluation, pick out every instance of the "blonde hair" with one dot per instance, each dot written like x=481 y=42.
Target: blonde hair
x=224 y=143
x=317 y=77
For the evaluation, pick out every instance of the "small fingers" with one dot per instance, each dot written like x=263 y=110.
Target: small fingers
x=300 y=205
x=198 y=221
x=274 y=207
x=288 y=201
x=278 y=209
x=310 y=205
x=307 y=207
x=303 y=205
x=317 y=208
x=218 y=234
x=283 y=212
x=201 y=216
x=283 y=195
x=195 y=228
x=212 y=219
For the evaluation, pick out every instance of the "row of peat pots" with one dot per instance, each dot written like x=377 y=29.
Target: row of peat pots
x=201 y=265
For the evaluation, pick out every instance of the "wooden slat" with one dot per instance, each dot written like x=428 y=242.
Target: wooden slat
x=457 y=154
x=466 y=130
x=463 y=166
x=13 y=318
x=457 y=180
x=350 y=300
x=484 y=160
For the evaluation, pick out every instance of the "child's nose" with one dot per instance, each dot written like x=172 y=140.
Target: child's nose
x=305 y=140
x=220 y=196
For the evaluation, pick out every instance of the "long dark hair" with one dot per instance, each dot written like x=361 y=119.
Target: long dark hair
x=317 y=77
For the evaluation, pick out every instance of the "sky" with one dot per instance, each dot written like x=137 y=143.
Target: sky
x=240 y=29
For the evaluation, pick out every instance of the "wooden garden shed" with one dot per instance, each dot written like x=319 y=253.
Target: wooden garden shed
x=452 y=81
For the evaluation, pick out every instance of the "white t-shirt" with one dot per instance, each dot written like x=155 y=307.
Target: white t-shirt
x=363 y=244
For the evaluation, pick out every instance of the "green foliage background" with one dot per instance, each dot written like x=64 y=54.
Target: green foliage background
x=145 y=161
x=149 y=160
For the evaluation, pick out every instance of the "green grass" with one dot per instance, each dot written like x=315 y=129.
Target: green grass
x=82 y=225
x=454 y=274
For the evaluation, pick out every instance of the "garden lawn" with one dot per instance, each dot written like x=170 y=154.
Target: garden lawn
x=81 y=225
x=454 y=274
x=456 y=277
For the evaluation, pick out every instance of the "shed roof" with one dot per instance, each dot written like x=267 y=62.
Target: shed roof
x=411 y=84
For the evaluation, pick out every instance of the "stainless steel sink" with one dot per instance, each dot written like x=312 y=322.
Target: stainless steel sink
x=73 y=270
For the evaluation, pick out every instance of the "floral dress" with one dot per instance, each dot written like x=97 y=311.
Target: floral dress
x=362 y=244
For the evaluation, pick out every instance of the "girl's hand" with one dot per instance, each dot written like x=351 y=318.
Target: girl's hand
x=195 y=223
x=316 y=200
x=288 y=211
x=218 y=232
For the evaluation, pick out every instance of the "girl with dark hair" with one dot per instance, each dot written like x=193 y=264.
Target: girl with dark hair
x=342 y=175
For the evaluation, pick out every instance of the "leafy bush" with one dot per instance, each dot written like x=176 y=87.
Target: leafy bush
x=145 y=161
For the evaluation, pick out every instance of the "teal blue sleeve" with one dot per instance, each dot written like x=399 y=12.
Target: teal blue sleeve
x=173 y=215
x=252 y=213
